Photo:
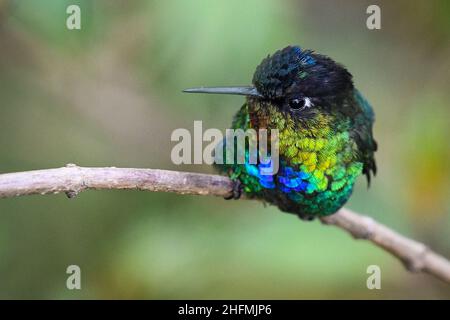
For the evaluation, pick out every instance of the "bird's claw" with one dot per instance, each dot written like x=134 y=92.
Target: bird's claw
x=306 y=217
x=236 y=192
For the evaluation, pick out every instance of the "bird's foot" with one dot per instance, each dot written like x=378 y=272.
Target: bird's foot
x=237 y=190
x=306 y=217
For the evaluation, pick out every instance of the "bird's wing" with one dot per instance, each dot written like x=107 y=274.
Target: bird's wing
x=363 y=135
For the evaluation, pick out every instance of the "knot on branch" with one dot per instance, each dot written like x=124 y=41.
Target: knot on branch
x=71 y=194
x=82 y=185
x=367 y=229
x=417 y=262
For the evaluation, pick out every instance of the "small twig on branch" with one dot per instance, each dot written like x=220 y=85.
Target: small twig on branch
x=73 y=179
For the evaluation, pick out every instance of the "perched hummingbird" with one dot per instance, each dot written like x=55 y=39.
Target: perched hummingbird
x=325 y=132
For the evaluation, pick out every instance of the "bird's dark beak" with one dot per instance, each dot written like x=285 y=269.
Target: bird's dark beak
x=243 y=91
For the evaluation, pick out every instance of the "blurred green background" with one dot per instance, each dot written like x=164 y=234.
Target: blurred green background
x=110 y=95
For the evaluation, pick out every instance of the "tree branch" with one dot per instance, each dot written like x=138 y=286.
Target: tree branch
x=73 y=179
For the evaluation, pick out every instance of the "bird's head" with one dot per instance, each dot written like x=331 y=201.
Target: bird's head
x=298 y=82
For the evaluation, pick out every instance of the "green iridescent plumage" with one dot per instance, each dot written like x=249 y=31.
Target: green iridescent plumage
x=325 y=133
x=324 y=151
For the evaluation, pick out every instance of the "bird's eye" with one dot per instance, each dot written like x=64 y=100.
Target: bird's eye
x=300 y=103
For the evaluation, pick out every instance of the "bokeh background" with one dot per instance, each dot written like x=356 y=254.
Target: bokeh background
x=110 y=95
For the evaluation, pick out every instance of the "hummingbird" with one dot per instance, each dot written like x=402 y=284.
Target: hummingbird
x=325 y=133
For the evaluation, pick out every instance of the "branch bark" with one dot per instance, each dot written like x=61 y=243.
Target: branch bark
x=72 y=180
